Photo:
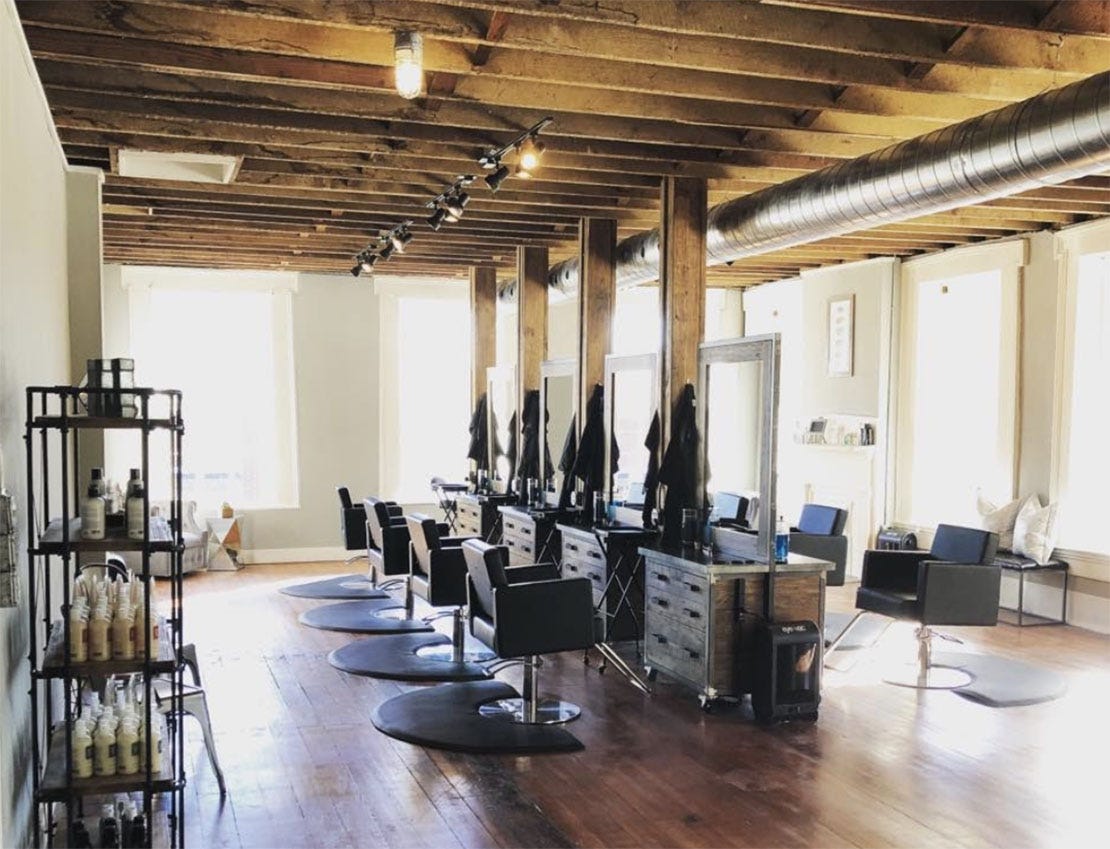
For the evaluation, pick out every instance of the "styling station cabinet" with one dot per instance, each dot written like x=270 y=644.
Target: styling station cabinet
x=478 y=516
x=701 y=614
x=530 y=535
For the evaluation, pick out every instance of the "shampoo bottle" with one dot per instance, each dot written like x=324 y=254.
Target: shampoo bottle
x=135 y=513
x=93 y=520
x=127 y=747
x=78 y=632
x=82 y=750
x=123 y=633
x=100 y=646
x=104 y=748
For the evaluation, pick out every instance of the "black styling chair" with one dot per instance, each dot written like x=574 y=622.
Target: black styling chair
x=820 y=534
x=438 y=575
x=387 y=544
x=352 y=518
x=524 y=612
x=953 y=583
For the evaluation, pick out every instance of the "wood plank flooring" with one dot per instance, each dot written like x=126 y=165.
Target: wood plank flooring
x=884 y=766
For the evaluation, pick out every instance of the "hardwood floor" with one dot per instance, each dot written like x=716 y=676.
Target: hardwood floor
x=883 y=766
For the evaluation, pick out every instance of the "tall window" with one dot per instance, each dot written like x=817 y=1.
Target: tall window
x=957 y=384
x=226 y=342
x=1083 y=465
x=425 y=389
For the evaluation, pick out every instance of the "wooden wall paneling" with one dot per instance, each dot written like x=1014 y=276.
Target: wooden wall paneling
x=483 y=328
x=597 y=295
x=531 y=293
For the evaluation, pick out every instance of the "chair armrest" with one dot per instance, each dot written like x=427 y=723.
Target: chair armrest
x=443 y=529
x=823 y=547
x=448 y=572
x=958 y=593
x=394 y=509
x=543 y=616
x=891 y=570
x=535 y=572
x=453 y=542
x=396 y=535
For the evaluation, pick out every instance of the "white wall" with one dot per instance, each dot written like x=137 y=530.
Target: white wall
x=34 y=349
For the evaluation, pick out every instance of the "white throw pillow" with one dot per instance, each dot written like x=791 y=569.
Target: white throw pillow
x=1035 y=530
x=999 y=520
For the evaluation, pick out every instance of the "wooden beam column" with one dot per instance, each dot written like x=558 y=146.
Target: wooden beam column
x=681 y=286
x=483 y=328
x=531 y=324
x=597 y=297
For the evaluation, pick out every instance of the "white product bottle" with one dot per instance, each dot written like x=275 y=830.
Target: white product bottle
x=82 y=750
x=127 y=747
x=104 y=747
x=139 y=629
x=123 y=633
x=155 y=743
x=100 y=643
x=78 y=632
x=135 y=513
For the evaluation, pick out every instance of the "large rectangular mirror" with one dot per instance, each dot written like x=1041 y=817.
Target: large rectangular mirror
x=501 y=395
x=631 y=402
x=558 y=394
x=737 y=412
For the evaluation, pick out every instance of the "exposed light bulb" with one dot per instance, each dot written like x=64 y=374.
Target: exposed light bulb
x=408 y=64
x=530 y=153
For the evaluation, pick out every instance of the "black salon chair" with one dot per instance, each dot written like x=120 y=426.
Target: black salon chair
x=352 y=518
x=387 y=543
x=953 y=583
x=438 y=575
x=524 y=612
x=820 y=534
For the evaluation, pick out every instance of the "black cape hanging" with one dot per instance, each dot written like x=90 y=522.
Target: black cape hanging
x=679 y=470
x=478 y=449
x=589 y=464
x=566 y=463
x=651 y=479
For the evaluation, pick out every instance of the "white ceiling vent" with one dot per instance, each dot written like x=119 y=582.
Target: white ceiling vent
x=191 y=167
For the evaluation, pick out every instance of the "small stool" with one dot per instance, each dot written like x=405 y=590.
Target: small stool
x=446 y=493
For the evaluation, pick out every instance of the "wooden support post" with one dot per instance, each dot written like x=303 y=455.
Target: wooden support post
x=597 y=297
x=531 y=323
x=681 y=287
x=483 y=328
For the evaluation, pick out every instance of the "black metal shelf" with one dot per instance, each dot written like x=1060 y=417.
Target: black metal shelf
x=103 y=423
x=55 y=786
x=53 y=659
x=52 y=542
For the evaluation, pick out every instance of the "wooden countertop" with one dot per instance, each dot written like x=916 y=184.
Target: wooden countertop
x=694 y=557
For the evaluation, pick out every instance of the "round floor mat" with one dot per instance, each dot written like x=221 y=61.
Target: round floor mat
x=336 y=588
x=395 y=657
x=362 y=617
x=446 y=717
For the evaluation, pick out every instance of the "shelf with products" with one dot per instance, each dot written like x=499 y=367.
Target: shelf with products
x=108 y=601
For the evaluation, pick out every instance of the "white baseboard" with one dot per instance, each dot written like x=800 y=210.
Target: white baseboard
x=293 y=555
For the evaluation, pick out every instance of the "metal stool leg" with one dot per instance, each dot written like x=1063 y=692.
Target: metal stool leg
x=197 y=705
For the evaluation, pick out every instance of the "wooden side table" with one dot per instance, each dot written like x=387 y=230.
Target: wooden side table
x=224 y=544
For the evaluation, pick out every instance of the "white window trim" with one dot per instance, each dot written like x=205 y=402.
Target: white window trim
x=1009 y=257
x=1090 y=237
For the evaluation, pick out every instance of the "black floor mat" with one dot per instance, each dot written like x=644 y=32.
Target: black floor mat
x=446 y=717
x=1000 y=682
x=337 y=588
x=362 y=617
x=395 y=658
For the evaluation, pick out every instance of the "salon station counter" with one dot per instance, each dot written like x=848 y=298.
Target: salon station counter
x=530 y=534
x=702 y=611
x=477 y=514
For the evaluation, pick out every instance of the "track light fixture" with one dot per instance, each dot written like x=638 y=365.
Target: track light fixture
x=435 y=220
x=364 y=261
x=450 y=204
x=408 y=64
x=530 y=152
x=400 y=236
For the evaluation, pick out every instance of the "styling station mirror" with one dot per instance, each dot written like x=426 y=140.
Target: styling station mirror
x=631 y=401
x=501 y=392
x=558 y=394
x=738 y=396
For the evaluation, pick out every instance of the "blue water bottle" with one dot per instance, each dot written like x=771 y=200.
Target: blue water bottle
x=782 y=541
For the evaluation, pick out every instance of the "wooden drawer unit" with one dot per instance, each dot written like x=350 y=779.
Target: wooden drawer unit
x=583 y=557
x=528 y=536
x=468 y=522
x=691 y=627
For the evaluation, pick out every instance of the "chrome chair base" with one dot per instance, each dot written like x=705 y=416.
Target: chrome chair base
x=446 y=654
x=544 y=712
x=930 y=678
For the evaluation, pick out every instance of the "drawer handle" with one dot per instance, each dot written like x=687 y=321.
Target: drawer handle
x=659 y=638
x=596 y=555
x=527 y=531
x=659 y=576
x=661 y=602
x=693 y=654
x=571 y=566
x=594 y=577
x=693 y=614
x=694 y=588
x=572 y=546
x=510 y=543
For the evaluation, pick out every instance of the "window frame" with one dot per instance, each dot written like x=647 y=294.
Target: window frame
x=1009 y=258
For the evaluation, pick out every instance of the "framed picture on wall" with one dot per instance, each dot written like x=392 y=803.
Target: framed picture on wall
x=841 y=339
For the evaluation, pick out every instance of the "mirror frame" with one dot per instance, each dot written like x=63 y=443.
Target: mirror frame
x=616 y=364
x=564 y=367
x=765 y=350
x=495 y=375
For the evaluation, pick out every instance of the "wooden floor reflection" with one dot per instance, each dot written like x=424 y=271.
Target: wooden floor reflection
x=884 y=766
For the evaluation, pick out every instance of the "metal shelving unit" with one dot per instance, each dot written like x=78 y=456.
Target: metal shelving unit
x=55 y=422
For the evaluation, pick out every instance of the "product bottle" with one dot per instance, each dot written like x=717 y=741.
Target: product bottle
x=135 y=512
x=100 y=645
x=79 y=632
x=82 y=745
x=123 y=633
x=93 y=520
x=782 y=541
x=104 y=748
x=127 y=747
x=135 y=481
x=138 y=830
x=125 y=812
x=138 y=630
x=80 y=838
x=109 y=829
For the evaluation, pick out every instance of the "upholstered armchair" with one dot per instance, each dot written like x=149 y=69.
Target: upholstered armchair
x=352 y=522
x=524 y=612
x=387 y=542
x=954 y=583
x=820 y=534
